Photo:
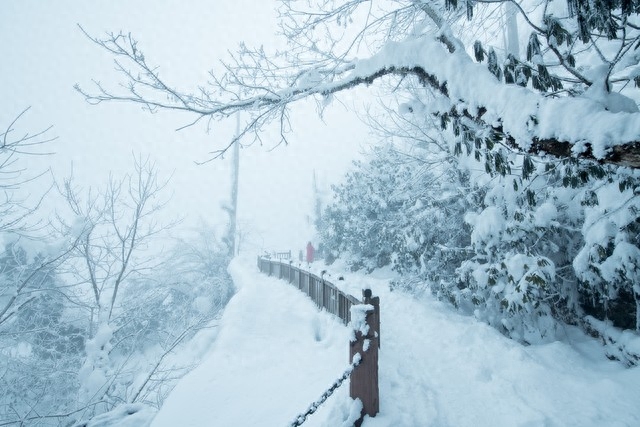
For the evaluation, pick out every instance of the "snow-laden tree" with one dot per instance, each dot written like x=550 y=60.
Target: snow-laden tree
x=398 y=209
x=39 y=343
x=579 y=56
x=503 y=248
x=97 y=325
x=547 y=110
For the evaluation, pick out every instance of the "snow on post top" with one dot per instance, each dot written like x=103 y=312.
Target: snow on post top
x=359 y=319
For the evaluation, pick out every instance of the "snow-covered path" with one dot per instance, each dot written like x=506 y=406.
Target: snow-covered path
x=441 y=369
x=276 y=353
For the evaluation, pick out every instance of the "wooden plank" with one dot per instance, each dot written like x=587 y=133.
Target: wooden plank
x=364 y=379
x=325 y=294
x=325 y=297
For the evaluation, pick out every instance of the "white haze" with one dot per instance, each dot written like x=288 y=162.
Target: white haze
x=45 y=53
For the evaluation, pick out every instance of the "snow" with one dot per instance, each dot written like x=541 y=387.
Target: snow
x=487 y=226
x=94 y=373
x=625 y=257
x=545 y=215
x=575 y=120
x=276 y=353
x=621 y=344
x=612 y=101
x=129 y=415
x=359 y=319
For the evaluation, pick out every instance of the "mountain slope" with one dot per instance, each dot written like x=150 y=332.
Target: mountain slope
x=276 y=353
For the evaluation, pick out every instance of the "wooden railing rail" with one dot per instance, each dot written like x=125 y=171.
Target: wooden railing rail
x=325 y=294
x=364 y=377
x=283 y=255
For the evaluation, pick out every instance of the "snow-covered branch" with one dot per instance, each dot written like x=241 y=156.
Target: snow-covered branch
x=529 y=111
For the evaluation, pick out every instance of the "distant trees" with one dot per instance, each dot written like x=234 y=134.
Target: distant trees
x=23 y=274
x=91 y=307
x=578 y=52
x=395 y=209
x=544 y=130
x=38 y=346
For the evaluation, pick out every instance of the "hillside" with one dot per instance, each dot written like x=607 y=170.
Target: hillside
x=276 y=353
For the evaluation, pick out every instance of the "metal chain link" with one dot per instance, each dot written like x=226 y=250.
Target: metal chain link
x=300 y=419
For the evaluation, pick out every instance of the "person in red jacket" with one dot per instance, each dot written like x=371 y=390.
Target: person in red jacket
x=310 y=252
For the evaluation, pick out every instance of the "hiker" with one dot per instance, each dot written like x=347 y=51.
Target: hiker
x=310 y=252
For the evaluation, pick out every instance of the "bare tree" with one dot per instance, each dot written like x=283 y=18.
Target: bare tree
x=416 y=39
x=20 y=282
x=14 y=149
x=116 y=224
x=123 y=307
x=79 y=308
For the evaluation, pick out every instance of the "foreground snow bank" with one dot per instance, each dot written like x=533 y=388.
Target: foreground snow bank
x=276 y=353
x=126 y=415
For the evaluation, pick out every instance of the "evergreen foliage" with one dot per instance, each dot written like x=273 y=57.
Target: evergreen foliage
x=542 y=241
x=396 y=211
x=41 y=343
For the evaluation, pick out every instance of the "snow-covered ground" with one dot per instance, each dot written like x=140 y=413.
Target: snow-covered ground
x=276 y=353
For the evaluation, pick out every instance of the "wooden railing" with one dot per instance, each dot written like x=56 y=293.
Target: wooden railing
x=364 y=377
x=283 y=255
x=325 y=294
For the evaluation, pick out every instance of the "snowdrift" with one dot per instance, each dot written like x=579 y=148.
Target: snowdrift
x=276 y=353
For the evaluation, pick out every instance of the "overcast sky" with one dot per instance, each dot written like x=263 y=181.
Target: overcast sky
x=44 y=54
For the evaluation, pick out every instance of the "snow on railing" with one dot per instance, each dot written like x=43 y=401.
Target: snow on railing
x=326 y=295
x=364 y=318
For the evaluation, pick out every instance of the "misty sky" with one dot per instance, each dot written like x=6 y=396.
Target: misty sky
x=44 y=54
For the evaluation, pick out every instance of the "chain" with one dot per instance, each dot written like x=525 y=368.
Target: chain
x=300 y=419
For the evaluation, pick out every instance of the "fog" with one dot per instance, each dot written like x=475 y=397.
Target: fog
x=45 y=53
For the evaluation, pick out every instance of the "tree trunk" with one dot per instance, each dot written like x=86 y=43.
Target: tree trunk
x=513 y=40
x=234 y=191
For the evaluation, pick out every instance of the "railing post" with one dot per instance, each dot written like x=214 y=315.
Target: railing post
x=364 y=379
x=291 y=272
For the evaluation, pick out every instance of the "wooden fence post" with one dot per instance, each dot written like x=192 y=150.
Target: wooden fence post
x=364 y=379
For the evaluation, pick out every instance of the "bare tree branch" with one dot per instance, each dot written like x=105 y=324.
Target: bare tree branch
x=267 y=86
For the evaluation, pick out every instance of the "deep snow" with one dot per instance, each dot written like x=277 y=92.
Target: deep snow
x=276 y=353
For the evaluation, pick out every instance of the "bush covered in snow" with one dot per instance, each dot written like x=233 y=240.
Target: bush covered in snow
x=395 y=210
x=518 y=252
